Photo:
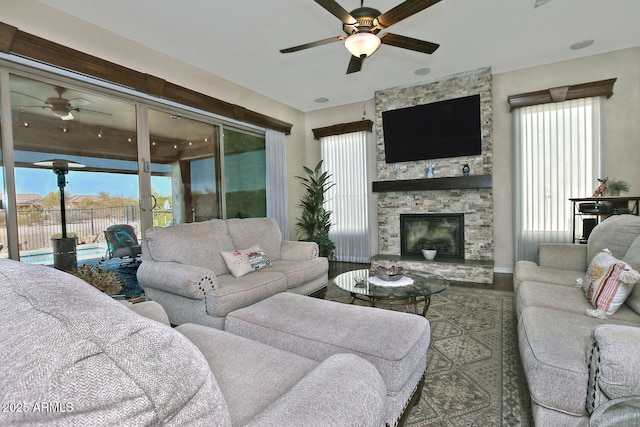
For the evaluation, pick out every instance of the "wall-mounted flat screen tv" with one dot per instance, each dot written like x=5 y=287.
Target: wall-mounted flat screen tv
x=437 y=130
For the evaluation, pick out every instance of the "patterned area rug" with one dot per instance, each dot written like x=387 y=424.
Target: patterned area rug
x=474 y=376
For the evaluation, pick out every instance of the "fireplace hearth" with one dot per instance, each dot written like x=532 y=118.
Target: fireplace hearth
x=442 y=231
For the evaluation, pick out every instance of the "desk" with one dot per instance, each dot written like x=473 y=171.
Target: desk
x=603 y=207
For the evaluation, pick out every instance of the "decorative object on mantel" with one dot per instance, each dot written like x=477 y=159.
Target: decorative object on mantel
x=614 y=187
x=430 y=170
x=429 y=253
x=466 y=169
x=601 y=188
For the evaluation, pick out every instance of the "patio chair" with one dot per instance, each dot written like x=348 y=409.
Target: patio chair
x=122 y=242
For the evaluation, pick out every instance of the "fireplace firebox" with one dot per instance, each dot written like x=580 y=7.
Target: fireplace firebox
x=442 y=231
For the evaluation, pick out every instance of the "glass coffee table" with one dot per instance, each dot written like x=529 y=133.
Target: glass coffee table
x=360 y=285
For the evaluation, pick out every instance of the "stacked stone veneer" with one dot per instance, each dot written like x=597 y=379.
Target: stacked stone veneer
x=476 y=204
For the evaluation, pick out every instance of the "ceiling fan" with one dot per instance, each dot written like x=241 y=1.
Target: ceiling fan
x=362 y=26
x=59 y=106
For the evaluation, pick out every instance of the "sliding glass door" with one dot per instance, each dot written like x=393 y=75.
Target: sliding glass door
x=125 y=160
x=245 y=174
x=94 y=138
x=185 y=177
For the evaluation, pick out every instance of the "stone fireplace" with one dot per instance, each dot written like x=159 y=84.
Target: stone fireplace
x=403 y=188
x=443 y=232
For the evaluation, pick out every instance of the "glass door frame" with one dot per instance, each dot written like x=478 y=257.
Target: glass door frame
x=30 y=69
x=9 y=202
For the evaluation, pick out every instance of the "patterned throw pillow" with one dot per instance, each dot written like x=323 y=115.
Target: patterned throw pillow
x=243 y=261
x=608 y=283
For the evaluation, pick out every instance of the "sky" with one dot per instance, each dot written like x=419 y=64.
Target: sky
x=80 y=183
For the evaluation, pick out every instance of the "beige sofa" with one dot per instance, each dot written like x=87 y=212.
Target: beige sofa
x=574 y=362
x=183 y=268
x=70 y=355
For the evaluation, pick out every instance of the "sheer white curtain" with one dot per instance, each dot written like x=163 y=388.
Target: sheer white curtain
x=557 y=157
x=345 y=157
x=277 y=194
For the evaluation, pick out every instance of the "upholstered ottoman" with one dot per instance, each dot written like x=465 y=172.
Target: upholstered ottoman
x=395 y=343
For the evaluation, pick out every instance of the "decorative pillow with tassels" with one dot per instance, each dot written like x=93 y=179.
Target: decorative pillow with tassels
x=608 y=283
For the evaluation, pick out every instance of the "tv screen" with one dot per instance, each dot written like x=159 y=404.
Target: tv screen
x=438 y=130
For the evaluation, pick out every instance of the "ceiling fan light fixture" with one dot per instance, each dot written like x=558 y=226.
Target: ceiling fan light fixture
x=362 y=45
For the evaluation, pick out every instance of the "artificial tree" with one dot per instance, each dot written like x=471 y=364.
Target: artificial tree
x=315 y=222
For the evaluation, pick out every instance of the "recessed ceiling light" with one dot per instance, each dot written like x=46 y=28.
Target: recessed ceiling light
x=321 y=100
x=581 y=45
x=422 y=71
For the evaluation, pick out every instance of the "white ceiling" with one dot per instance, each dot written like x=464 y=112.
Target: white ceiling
x=239 y=40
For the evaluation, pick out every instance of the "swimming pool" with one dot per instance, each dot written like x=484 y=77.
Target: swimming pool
x=45 y=256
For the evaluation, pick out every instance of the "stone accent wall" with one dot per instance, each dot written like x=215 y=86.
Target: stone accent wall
x=476 y=204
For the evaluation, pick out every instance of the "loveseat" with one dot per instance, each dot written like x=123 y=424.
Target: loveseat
x=200 y=272
x=71 y=355
x=575 y=355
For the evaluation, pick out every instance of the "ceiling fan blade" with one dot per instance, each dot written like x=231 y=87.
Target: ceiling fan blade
x=84 y=110
x=313 y=44
x=403 y=10
x=409 y=43
x=336 y=10
x=355 y=64
x=28 y=96
x=76 y=102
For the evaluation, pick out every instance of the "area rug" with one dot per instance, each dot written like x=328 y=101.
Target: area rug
x=474 y=376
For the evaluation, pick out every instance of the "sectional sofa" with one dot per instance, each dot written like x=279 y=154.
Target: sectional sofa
x=575 y=356
x=195 y=270
x=71 y=355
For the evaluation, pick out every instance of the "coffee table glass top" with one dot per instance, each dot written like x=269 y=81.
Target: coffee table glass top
x=357 y=282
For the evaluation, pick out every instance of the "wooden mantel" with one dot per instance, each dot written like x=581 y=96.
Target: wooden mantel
x=446 y=183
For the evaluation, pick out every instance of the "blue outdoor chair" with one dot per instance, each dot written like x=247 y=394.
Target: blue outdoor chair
x=122 y=242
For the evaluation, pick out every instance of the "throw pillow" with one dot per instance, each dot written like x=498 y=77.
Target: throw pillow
x=608 y=283
x=243 y=261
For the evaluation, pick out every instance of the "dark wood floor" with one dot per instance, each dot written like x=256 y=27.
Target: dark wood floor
x=501 y=281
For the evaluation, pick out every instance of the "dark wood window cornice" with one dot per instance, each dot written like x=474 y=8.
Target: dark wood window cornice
x=563 y=93
x=17 y=42
x=341 y=128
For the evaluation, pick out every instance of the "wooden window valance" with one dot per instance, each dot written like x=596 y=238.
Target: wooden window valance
x=341 y=128
x=563 y=93
x=17 y=42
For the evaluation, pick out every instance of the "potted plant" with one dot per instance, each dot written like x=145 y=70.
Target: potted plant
x=103 y=280
x=614 y=187
x=315 y=222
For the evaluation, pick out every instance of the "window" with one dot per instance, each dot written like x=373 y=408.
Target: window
x=557 y=157
x=345 y=157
